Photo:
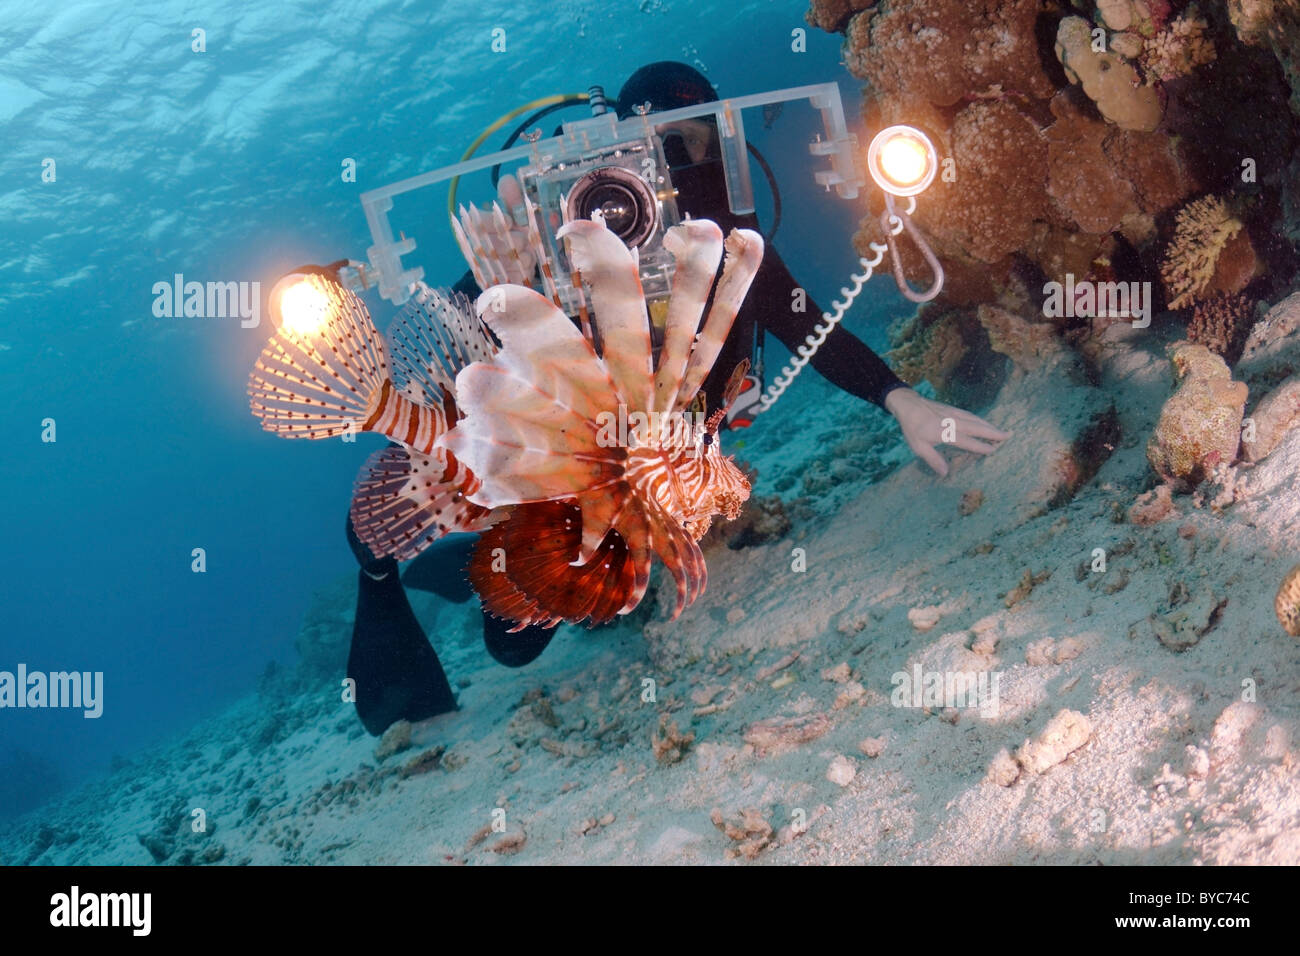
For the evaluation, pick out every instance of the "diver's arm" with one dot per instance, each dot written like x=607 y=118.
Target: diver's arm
x=844 y=360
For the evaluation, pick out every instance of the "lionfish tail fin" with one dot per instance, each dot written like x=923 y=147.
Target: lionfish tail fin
x=325 y=381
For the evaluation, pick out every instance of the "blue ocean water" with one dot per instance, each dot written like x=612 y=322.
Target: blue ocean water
x=224 y=165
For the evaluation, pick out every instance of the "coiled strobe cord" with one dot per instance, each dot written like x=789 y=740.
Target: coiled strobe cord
x=821 y=330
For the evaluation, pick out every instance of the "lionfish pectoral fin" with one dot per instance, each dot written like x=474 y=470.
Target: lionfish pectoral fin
x=529 y=430
x=322 y=382
x=436 y=335
x=524 y=572
x=404 y=500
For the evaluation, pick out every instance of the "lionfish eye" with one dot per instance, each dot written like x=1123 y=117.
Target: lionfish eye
x=708 y=438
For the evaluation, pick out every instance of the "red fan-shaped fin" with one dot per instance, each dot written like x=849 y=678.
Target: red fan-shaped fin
x=531 y=578
x=487 y=573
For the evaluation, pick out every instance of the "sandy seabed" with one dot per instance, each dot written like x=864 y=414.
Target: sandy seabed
x=1145 y=714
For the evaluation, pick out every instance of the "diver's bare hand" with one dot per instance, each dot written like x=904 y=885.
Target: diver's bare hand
x=923 y=422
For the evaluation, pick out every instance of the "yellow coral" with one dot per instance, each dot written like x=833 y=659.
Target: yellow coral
x=1201 y=231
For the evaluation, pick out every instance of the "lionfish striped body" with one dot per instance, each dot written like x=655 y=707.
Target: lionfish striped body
x=577 y=466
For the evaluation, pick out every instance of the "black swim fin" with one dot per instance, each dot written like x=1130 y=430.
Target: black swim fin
x=397 y=673
x=440 y=568
x=517 y=649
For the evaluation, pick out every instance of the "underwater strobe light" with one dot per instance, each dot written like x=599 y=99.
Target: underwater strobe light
x=902 y=160
x=303 y=298
x=299 y=304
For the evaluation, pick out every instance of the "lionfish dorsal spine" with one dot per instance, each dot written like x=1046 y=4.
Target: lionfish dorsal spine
x=619 y=303
x=744 y=255
x=696 y=247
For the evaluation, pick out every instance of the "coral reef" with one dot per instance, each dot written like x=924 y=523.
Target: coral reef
x=833 y=15
x=1209 y=252
x=1028 y=344
x=1222 y=323
x=947 y=347
x=1272 y=351
x=1179 y=48
x=1052 y=165
x=1287 y=603
x=943 y=51
x=1109 y=79
x=928 y=346
x=1276 y=24
x=1200 y=424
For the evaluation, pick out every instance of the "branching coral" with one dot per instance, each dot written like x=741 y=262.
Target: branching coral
x=1204 y=246
x=1179 y=48
x=1222 y=324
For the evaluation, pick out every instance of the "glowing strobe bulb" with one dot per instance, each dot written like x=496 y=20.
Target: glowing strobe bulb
x=300 y=304
x=902 y=160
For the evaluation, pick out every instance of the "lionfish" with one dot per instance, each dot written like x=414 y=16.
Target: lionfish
x=501 y=418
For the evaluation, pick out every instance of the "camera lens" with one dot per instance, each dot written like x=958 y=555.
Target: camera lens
x=623 y=199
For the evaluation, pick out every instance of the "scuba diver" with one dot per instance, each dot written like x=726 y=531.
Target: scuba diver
x=397 y=673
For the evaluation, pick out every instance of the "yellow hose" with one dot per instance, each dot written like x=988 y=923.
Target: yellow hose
x=534 y=105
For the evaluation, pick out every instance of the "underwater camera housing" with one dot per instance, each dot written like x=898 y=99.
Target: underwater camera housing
x=617 y=167
x=626 y=181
